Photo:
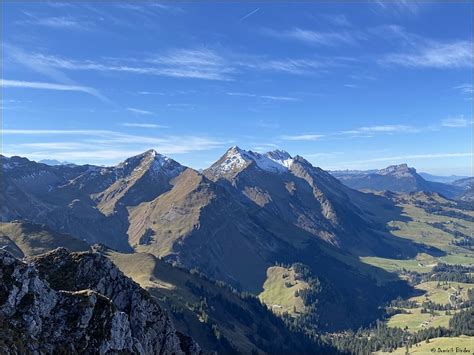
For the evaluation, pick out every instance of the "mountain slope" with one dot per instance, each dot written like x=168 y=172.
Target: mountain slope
x=276 y=187
x=32 y=239
x=395 y=178
x=80 y=302
x=467 y=186
x=84 y=201
x=219 y=318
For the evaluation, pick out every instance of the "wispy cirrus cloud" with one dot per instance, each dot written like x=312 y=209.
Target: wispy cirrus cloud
x=35 y=64
x=294 y=66
x=372 y=131
x=41 y=132
x=179 y=63
x=302 y=137
x=50 y=86
x=266 y=97
x=62 y=22
x=455 y=122
x=315 y=37
x=337 y=19
x=139 y=111
x=464 y=88
x=399 y=7
x=186 y=63
x=142 y=125
x=434 y=54
x=404 y=158
x=86 y=146
x=361 y=132
x=383 y=129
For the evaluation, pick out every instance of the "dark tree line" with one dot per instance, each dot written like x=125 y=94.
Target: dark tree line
x=381 y=337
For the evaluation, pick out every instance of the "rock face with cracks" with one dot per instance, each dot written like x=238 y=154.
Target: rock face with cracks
x=80 y=303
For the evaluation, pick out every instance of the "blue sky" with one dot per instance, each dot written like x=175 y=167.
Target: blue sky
x=346 y=85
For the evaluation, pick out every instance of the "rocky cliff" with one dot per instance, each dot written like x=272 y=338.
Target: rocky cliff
x=80 y=303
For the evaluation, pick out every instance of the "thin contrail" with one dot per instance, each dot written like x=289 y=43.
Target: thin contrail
x=249 y=14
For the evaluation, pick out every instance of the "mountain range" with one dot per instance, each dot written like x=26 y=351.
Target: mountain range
x=395 y=178
x=54 y=162
x=247 y=221
x=446 y=179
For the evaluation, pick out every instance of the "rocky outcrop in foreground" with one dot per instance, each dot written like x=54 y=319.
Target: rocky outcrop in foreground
x=66 y=302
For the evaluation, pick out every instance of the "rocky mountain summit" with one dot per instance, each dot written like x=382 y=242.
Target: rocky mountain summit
x=80 y=302
x=401 y=170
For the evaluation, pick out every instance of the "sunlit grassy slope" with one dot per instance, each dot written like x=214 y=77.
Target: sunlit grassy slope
x=280 y=290
x=456 y=345
x=439 y=294
x=212 y=315
x=424 y=227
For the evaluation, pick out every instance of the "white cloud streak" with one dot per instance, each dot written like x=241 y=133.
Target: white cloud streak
x=102 y=145
x=47 y=86
x=266 y=97
x=56 y=23
x=435 y=55
x=455 y=122
x=247 y=15
x=37 y=65
x=180 y=63
x=139 y=111
x=464 y=89
x=303 y=137
x=142 y=125
x=407 y=157
x=315 y=37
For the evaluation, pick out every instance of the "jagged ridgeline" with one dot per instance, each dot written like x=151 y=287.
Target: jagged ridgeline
x=63 y=302
x=271 y=225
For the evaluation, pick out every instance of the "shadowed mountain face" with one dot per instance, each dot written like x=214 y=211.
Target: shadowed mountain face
x=396 y=178
x=232 y=222
x=277 y=187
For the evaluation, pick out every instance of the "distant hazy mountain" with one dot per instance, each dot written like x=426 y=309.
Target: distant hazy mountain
x=444 y=179
x=467 y=186
x=53 y=162
x=396 y=178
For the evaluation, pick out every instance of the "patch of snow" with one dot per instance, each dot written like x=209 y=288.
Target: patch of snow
x=281 y=157
x=236 y=159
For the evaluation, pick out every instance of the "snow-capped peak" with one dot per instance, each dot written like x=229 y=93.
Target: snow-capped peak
x=236 y=158
x=152 y=160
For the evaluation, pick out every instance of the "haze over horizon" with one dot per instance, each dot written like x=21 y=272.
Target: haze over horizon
x=347 y=86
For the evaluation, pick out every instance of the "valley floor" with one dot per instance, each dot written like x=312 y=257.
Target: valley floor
x=455 y=345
